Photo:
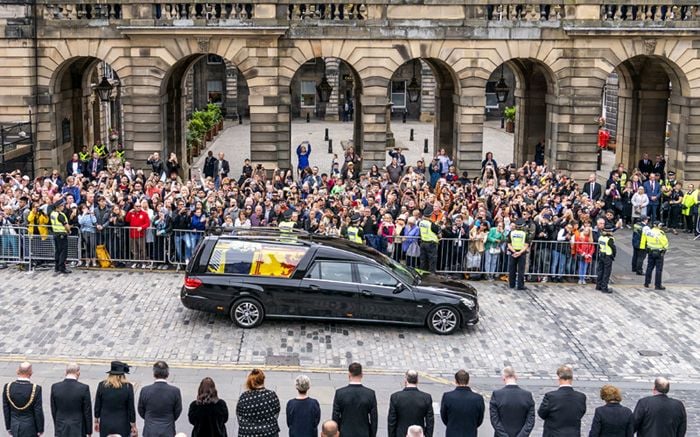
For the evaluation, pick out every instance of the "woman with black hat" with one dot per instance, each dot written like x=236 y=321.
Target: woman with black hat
x=114 y=403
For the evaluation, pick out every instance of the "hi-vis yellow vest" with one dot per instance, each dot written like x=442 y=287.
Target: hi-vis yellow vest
x=56 y=226
x=517 y=239
x=426 y=232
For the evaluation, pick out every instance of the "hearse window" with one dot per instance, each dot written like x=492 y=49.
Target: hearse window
x=375 y=276
x=256 y=259
x=331 y=271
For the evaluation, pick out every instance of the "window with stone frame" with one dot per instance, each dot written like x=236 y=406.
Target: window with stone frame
x=398 y=94
x=308 y=94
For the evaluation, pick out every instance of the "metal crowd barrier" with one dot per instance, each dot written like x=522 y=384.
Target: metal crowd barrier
x=545 y=259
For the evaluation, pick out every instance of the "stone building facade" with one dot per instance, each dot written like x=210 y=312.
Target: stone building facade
x=561 y=55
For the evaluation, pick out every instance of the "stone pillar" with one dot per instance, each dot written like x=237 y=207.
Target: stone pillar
x=577 y=129
x=374 y=122
x=428 y=89
x=231 y=96
x=691 y=161
x=470 y=126
x=677 y=151
x=143 y=122
x=652 y=110
x=332 y=74
x=626 y=134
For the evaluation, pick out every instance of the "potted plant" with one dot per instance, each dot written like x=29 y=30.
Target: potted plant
x=217 y=115
x=509 y=115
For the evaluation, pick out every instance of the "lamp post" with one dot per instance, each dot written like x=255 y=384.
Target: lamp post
x=104 y=89
x=413 y=87
x=502 y=91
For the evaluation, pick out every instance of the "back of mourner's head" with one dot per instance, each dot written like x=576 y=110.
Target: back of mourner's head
x=24 y=369
x=303 y=383
x=462 y=377
x=329 y=429
x=565 y=373
x=508 y=373
x=161 y=370
x=414 y=431
x=256 y=379
x=412 y=377
x=72 y=369
x=610 y=393
x=355 y=370
x=662 y=385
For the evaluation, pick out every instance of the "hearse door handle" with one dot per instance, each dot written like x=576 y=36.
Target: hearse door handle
x=314 y=287
x=366 y=293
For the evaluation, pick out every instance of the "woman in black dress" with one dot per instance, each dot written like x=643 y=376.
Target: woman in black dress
x=208 y=414
x=258 y=408
x=114 y=403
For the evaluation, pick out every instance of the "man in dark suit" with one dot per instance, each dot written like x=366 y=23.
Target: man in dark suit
x=512 y=409
x=71 y=405
x=592 y=188
x=660 y=167
x=355 y=406
x=160 y=404
x=563 y=409
x=645 y=165
x=462 y=410
x=659 y=415
x=21 y=405
x=211 y=165
x=95 y=166
x=74 y=166
x=410 y=407
x=652 y=188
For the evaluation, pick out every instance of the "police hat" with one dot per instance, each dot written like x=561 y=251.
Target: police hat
x=355 y=218
x=657 y=223
x=643 y=217
x=520 y=222
x=287 y=214
x=428 y=210
x=609 y=228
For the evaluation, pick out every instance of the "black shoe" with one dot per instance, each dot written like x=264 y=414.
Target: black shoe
x=598 y=288
x=66 y=272
x=660 y=288
x=646 y=285
x=522 y=288
x=640 y=273
x=607 y=291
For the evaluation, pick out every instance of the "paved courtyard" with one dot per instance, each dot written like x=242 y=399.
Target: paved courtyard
x=234 y=141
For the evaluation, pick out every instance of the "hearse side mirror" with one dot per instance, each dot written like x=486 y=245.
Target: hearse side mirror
x=399 y=288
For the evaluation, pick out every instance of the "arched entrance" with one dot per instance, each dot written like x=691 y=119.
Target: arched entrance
x=83 y=117
x=519 y=123
x=325 y=96
x=423 y=98
x=193 y=83
x=651 y=111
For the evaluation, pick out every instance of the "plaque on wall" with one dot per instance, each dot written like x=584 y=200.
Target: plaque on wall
x=65 y=131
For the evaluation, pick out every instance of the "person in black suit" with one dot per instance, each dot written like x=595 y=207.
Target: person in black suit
x=462 y=410
x=208 y=414
x=94 y=166
x=659 y=415
x=645 y=165
x=74 y=166
x=114 y=403
x=355 y=406
x=211 y=165
x=660 y=167
x=71 y=405
x=592 y=188
x=512 y=409
x=410 y=407
x=160 y=404
x=612 y=419
x=563 y=409
x=21 y=405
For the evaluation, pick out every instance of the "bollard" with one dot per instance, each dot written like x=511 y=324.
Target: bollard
x=326 y=138
x=411 y=137
x=404 y=116
x=308 y=117
x=330 y=146
x=425 y=146
x=240 y=119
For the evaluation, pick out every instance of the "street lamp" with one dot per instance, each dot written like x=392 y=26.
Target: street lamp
x=324 y=90
x=502 y=91
x=413 y=87
x=104 y=89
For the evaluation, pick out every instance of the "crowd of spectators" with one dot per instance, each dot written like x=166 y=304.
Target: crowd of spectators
x=355 y=409
x=131 y=212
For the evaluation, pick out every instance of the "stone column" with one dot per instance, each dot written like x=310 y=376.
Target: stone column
x=691 y=160
x=332 y=74
x=652 y=107
x=428 y=89
x=470 y=126
x=143 y=121
x=374 y=122
x=677 y=152
x=626 y=134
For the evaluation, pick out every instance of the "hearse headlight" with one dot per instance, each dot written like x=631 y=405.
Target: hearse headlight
x=469 y=303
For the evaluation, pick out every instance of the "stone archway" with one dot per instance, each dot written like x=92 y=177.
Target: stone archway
x=80 y=117
x=652 y=112
x=192 y=83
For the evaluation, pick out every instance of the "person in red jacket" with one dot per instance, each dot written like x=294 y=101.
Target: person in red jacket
x=138 y=222
x=583 y=243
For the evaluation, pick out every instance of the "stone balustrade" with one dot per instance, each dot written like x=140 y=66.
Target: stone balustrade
x=82 y=11
x=203 y=11
x=650 y=13
x=328 y=12
x=524 y=12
